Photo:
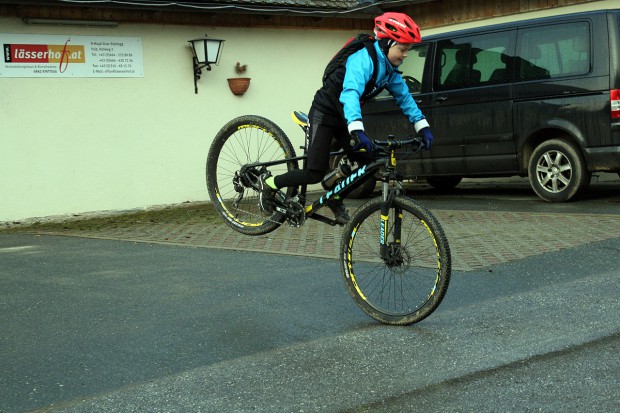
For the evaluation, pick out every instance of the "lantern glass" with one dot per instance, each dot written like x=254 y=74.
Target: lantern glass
x=206 y=50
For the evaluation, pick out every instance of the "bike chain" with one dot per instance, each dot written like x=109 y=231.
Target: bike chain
x=294 y=210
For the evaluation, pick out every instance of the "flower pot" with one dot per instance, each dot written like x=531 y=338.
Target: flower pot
x=239 y=85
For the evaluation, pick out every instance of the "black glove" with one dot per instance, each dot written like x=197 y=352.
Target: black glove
x=360 y=142
x=428 y=137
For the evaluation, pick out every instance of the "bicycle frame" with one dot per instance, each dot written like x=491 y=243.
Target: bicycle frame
x=357 y=177
x=394 y=256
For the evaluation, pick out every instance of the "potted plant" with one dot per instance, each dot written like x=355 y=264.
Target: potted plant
x=239 y=85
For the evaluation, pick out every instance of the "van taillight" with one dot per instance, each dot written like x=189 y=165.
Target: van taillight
x=615 y=103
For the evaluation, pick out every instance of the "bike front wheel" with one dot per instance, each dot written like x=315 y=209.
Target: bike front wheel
x=396 y=266
x=241 y=142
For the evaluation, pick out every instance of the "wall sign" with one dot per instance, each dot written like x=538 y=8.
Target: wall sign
x=28 y=55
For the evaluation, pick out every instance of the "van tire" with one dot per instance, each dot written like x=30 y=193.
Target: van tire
x=366 y=190
x=444 y=183
x=557 y=171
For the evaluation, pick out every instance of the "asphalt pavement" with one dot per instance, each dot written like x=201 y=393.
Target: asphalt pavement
x=121 y=320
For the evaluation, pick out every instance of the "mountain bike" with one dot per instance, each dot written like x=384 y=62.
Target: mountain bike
x=394 y=255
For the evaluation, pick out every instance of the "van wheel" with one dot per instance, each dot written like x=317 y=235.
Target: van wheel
x=443 y=182
x=557 y=171
x=366 y=190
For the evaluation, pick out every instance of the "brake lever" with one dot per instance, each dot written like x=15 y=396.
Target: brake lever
x=417 y=144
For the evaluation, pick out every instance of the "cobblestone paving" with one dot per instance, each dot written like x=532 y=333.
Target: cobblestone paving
x=478 y=239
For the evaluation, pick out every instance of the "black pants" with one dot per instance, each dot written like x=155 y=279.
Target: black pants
x=327 y=133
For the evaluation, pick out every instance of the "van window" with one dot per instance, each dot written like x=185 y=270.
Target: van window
x=474 y=61
x=413 y=67
x=553 y=51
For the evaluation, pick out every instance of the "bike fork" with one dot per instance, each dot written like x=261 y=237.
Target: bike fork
x=385 y=247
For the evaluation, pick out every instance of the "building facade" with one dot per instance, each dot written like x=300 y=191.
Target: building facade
x=77 y=141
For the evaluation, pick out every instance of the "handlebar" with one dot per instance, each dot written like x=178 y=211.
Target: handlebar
x=414 y=141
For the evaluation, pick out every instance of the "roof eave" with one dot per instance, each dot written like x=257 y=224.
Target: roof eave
x=364 y=11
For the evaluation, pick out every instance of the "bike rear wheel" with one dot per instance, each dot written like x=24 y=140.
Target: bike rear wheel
x=242 y=141
x=407 y=286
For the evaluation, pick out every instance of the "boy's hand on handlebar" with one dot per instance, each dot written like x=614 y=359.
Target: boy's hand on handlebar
x=360 y=141
x=427 y=136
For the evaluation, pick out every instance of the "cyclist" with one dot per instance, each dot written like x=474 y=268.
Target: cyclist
x=336 y=115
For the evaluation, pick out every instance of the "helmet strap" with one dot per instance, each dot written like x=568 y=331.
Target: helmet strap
x=385 y=44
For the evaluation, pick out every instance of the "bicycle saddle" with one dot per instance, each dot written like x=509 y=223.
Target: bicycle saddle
x=300 y=118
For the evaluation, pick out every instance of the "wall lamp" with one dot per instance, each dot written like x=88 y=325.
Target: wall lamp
x=205 y=52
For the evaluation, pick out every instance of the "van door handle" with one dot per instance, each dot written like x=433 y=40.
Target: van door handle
x=418 y=101
x=441 y=98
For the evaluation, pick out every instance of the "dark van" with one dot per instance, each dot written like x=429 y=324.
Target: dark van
x=537 y=98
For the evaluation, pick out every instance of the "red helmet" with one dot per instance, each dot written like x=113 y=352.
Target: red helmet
x=398 y=27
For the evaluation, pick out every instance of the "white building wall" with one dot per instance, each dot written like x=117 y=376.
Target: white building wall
x=96 y=144
x=76 y=145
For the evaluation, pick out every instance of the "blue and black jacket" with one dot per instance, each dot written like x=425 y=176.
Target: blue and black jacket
x=343 y=92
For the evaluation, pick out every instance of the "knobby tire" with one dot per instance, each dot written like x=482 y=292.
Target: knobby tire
x=245 y=140
x=399 y=293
